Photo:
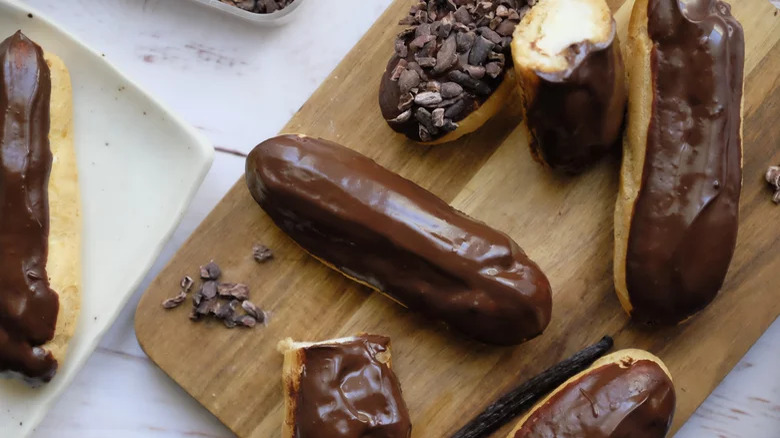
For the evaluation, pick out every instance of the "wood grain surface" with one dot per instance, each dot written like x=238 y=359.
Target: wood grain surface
x=563 y=223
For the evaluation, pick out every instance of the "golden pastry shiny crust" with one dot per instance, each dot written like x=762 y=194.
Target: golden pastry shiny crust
x=676 y=219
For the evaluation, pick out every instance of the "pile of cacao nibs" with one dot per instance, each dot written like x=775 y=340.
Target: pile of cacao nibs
x=451 y=59
x=221 y=301
x=259 y=6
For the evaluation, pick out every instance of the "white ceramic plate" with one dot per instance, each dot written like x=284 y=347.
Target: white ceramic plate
x=139 y=167
x=272 y=19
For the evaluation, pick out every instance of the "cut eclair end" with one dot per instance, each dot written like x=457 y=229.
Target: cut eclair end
x=544 y=38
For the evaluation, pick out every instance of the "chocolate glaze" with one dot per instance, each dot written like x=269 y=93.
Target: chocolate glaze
x=576 y=114
x=684 y=226
x=628 y=400
x=346 y=391
x=389 y=233
x=28 y=307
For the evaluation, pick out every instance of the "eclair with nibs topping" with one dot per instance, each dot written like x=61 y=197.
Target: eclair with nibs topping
x=626 y=394
x=451 y=69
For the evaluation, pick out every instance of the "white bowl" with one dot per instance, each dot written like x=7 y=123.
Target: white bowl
x=272 y=19
x=139 y=166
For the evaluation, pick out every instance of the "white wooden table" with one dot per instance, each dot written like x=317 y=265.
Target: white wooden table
x=239 y=84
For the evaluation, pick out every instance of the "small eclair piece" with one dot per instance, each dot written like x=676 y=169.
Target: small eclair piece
x=626 y=394
x=342 y=388
x=677 y=211
x=40 y=214
x=395 y=237
x=451 y=70
x=571 y=81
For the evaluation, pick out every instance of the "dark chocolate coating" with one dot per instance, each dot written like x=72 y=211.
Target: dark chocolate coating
x=610 y=401
x=385 y=231
x=684 y=227
x=346 y=392
x=575 y=115
x=28 y=307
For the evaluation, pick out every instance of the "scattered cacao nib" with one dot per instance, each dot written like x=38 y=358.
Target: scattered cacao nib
x=426 y=61
x=424 y=134
x=400 y=49
x=773 y=178
x=420 y=41
x=252 y=310
x=475 y=71
x=427 y=98
x=408 y=80
x=506 y=28
x=246 y=321
x=467 y=81
x=450 y=90
x=399 y=68
x=463 y=16
x=454 y=110
x=432 y=86
x=437 y=117
x=238 y=291
x=259 y=6
x=197 y=297
x=210 y=271
x=406 y=102
x=172 y=302
x=479 y=53
x=403 y=117
x=222 y=310
x=446 y=57
x=425 y=118
x=491 y=35
x=469 y=39
x=186 y=283
x=261 y=253
x=206 y=307
x=209 y=289
x=493 y=69
x=465 y=41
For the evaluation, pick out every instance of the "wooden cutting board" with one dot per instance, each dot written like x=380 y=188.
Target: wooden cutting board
x=564 y=223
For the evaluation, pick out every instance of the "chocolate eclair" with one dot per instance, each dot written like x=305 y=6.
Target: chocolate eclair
x=571 y=80
x=40 y=218
x=677 y=211
x=626 y=394
x=395 y=237
x=451 y=70
x=342 y=388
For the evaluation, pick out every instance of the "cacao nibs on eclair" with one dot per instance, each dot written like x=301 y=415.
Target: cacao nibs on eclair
x=259 y=6
x=453 y=55
x=521 y=398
